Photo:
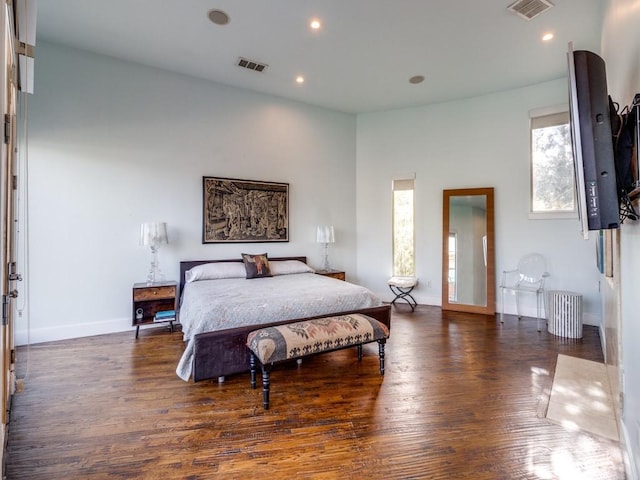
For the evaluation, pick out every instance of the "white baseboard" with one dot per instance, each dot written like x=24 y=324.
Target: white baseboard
x=422 y=299
x=428 y=300
x=587 y=318
x=591 y=319
x=631 y=458
x=63 y=332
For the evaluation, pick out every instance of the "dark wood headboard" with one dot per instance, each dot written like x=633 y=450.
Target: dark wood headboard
x=189 y=264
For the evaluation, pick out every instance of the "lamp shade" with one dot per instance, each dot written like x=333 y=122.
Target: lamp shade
x=153 y=234
x=324 y=234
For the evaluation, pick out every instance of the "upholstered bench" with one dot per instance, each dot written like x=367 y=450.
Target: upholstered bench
x=272 y=345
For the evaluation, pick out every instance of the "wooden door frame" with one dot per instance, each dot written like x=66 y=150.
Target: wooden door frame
x=7 y=207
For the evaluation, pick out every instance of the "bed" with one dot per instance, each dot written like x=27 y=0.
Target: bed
x=219 y=309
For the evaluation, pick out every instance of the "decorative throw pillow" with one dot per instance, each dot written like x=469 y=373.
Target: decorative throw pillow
x=257 y=266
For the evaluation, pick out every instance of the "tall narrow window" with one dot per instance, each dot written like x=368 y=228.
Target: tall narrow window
x=553 y=190
x=403 y=236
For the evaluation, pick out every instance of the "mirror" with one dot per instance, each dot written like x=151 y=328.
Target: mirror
x=468 y=249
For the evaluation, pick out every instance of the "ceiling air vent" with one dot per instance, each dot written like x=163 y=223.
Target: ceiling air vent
x=529 y=9
x=251 y=65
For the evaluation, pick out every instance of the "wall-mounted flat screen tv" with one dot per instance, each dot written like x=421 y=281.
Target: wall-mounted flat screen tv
x=593 y=155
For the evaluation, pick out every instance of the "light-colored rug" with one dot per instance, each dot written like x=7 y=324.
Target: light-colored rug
x=581 y=397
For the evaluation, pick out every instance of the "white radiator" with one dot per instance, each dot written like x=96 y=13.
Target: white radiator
x=565 y=314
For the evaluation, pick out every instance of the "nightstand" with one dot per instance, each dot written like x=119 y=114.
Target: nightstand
x=148 y=300
x=331 y=273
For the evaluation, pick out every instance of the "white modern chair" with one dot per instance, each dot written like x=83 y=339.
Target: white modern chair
x=529 y=277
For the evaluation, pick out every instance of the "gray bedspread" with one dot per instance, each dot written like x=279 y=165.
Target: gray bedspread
x=212 y=305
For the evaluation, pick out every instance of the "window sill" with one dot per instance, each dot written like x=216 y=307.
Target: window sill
x=553 y=215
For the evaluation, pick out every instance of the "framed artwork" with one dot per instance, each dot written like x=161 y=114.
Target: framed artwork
x=243 y=211
x=608 y=253
x=604 y=252
x=600 y=251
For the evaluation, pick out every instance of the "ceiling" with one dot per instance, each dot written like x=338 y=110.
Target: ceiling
x=360 y=60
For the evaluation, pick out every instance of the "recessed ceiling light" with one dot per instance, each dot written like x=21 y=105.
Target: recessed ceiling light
x=547 y=36
x=315 y=24
x=299 y=79
x=416 y=79
x=218 y=17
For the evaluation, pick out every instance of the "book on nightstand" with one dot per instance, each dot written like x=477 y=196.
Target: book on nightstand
x=165 y=316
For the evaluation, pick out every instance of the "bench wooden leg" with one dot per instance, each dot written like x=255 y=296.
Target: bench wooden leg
x=252 y=366
x=266 y=384
x=381 y=343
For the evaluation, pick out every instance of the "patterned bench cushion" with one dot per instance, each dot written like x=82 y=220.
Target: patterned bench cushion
x=295 y=340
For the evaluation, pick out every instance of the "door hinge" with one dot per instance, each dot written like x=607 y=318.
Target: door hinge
x=13 y=275
x=7 y=128
x=25 y=49
x=5 y=310
x=14 y=182
x=13 y=355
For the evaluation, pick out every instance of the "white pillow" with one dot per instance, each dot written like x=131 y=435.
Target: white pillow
x=215 y=271
x=286 y=267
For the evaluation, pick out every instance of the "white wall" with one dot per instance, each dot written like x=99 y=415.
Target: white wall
x=621 y=51
x=114 y=144
x=477 y=142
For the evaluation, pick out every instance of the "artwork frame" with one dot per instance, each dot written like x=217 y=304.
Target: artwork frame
x=244 y=211
x=604 y=252
x=608 y=253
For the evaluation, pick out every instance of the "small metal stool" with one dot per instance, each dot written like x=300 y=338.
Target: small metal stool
x=401 y=287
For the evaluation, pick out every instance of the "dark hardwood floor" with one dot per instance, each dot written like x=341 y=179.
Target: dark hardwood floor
x=463 y=397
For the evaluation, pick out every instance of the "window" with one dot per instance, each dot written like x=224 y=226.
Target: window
x=553 y=192
x=403 y=237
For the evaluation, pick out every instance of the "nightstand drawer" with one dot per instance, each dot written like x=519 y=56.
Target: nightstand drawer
x=153 y=293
